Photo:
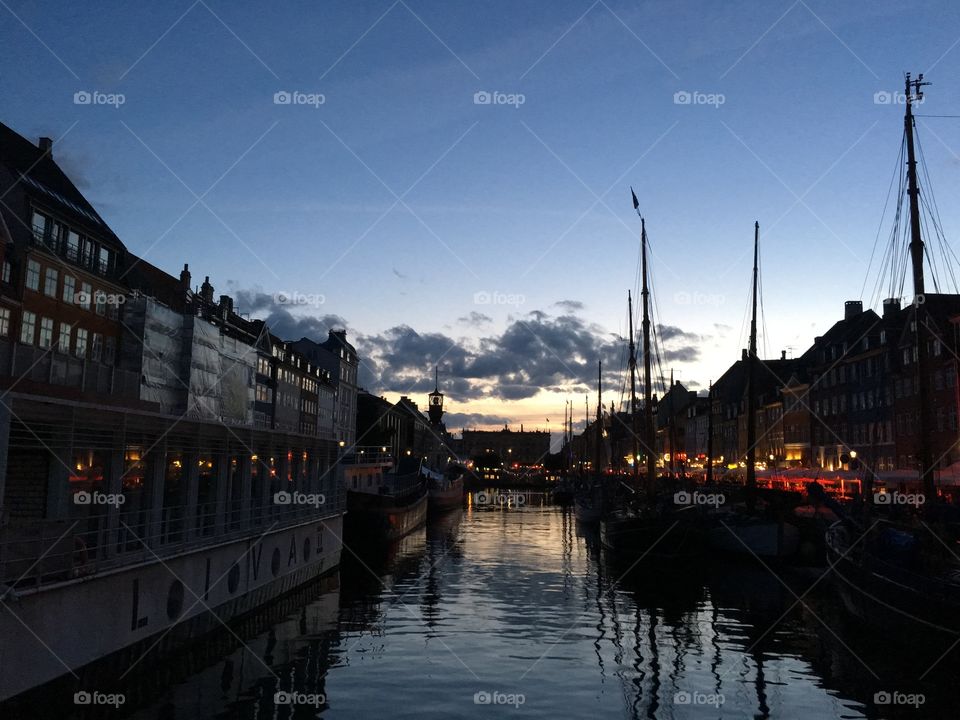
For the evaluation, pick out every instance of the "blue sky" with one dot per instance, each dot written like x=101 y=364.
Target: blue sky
x=527 y=203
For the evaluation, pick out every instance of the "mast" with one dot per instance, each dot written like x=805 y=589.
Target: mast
x=633 y=395
x=599 y=417
x=647 y=392
x=710 y=434
x=913 y=92
x=751 y=361
x=672 y=433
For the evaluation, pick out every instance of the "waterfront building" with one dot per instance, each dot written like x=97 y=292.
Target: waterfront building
x=524 y=447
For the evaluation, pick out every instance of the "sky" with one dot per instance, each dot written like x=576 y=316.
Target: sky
x=450 y=181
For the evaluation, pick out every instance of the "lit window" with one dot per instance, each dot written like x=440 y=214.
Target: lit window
x=28 y=327
x=4 y=322
x=84 y=296
x=33 y=275
x=46 y=332
x=80 y=348
x=69 y=288
x=63 y=342
x=96 y=348
x=50 y=282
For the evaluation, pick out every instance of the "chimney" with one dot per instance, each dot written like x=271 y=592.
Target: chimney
x=185 y=278
x=783 y=354
x=891 y=306
x=46 y=146
x=743 y=356
x=226 y=306
x=852 y=308
x=206 y=291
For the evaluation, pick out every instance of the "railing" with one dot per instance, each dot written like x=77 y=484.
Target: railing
x=46 y=365
x=364 y=454
x=51 y=551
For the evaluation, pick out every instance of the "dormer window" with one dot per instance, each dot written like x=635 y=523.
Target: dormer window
x=40 y=224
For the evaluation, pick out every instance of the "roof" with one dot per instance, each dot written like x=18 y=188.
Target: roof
x=35 y=172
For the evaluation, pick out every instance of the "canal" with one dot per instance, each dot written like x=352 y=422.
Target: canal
x=518 y=608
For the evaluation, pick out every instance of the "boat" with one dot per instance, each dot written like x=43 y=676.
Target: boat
x=751 y=528
x=648 y=524
x=590 y=501
x=895 y=567
x=445 y=490
x=386 y=502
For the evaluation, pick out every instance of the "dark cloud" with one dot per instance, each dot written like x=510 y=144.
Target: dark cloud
x=570 y=306
x=475 y=319
x=535 y=352
x=471 y=420
x=277 y=310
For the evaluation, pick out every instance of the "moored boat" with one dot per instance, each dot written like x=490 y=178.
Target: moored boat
x=445 y=491
x=384 y=506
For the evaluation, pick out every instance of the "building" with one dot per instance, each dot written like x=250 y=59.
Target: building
x=524 y=447
x=339 y=358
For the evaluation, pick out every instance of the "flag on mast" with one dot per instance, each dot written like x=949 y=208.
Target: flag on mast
x=636 y=203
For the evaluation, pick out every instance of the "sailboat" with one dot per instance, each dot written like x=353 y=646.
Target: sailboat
x=905 y=573
x=745 y=529
x=589 y=502
x=650 y=525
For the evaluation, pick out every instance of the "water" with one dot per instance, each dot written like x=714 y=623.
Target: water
x=520 y=608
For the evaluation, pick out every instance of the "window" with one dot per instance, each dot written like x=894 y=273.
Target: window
x=103 y=264
x=63 y=341
x=83 y=297
x=100 y=304
x=33 y=275
x=80 y=347
x=109 y=350
x=6 y=271
x=73 y=245
x=96 y=348
x=50 y=282
x=69 y=288
x=87 y=250
x=113 y=309
x=4 y=322
x=40 y=222
x=46 y=332
x=28 y=326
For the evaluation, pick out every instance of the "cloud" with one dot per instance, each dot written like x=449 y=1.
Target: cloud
x=471 y=420
x=570 y=306
x=536 y=352
x=475 y=319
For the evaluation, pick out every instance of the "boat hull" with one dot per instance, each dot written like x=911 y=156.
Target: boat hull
x=441 y=500
x=382 y=517
x=155 y=605
x=894 y=601
x=763 y=539
x=659 y=537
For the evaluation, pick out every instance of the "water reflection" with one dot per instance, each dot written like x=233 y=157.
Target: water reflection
x=518 y=604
